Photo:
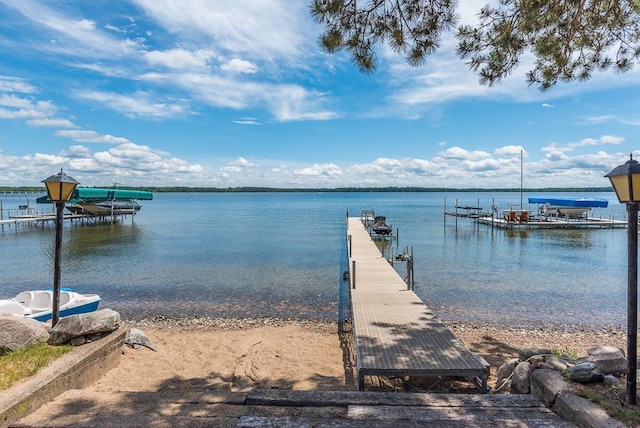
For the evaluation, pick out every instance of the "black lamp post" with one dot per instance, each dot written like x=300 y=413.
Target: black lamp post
x=60 y=188
x=625 y=180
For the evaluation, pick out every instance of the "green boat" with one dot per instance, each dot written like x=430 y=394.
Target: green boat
x=96 y=201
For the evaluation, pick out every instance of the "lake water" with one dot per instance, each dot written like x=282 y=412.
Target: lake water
x=283 y=254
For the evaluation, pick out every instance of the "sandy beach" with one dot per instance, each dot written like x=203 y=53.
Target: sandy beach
x=237 y=354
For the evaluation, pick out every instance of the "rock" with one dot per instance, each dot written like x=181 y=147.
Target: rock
x=545 y=366
x=102 y=321
x=77 y=341
x=611 y=380
x=526 y=353
x=505 y=370
x=93 y=337
x=17 y=333
x=608 y=359
x=137 y=339
x=609 y=363
x=521 y=380
x=535 y=360
x=599 y=350
x=556 y=362
x=584 y=373
x=549 y=384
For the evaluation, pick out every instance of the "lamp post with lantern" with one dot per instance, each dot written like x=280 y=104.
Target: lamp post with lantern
x=625 y=180
x=60 y=187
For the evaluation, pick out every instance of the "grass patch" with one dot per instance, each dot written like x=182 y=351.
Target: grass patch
x=18 y=365
x=565 y=353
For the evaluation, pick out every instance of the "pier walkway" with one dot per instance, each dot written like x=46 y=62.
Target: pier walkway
x=395 y=333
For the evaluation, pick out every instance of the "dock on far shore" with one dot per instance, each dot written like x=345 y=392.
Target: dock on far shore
x=395 y=333
x=522 y=218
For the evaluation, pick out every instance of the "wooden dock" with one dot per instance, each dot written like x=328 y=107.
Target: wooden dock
x=395 y=333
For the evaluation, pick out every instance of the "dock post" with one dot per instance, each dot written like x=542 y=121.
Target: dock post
x=353 y=274
x=413 y=281
x=444 y=215
x=349 y=238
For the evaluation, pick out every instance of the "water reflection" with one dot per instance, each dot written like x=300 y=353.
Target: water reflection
x=89 y=248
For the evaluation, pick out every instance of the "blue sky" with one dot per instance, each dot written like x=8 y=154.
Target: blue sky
x=238 y=93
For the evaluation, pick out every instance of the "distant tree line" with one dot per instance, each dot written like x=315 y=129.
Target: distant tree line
x=184 y=189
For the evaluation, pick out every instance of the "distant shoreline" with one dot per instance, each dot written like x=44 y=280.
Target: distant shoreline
x=247 y=189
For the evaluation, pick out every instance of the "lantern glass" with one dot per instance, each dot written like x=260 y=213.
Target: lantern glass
x=625 y=180
x=620 y=184
x=60 y=187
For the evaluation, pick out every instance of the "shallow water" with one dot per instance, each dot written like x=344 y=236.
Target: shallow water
x=283 y=254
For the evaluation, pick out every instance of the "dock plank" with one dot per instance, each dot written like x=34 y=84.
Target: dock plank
x=395 y=333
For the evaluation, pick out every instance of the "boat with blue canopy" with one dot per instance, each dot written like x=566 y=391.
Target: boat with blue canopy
x=567 y=206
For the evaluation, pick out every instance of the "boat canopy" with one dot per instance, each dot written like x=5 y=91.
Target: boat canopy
x=96 y=194
x=568 y=201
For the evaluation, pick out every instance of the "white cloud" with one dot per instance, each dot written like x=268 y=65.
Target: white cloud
x=22 y=108
x=247 y=121
x=139 y=104
x=265 y=29
x=179 y=58
x=319 y=170
x=75 y=36
x=604 y=140
x=239 y=66
x=14 y=84
x=511 y=151
x=51 y=123
x=239 y=165
x=460 y=153
x=87 y=136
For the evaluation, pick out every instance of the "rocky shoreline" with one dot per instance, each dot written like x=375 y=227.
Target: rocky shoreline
x=566 y=334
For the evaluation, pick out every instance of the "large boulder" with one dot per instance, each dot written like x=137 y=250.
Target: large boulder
x=608 y=359
x=18 y=332
x=521 y=380
x=70 y=327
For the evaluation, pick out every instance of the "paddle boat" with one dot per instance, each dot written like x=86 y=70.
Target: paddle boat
x=38 y=304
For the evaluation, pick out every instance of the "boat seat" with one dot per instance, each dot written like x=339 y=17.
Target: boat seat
x=42 y=301
x=524 y=217
x=65 y=298
x=25 y=298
